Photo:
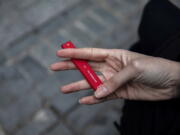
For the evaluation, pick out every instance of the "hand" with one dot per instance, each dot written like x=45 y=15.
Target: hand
x=125 y=74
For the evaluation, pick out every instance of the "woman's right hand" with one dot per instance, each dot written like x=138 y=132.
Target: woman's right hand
x=125 y=74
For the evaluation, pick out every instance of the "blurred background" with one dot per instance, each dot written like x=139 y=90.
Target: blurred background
x=30 y=33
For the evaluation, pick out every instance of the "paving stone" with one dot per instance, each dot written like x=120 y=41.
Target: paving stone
x=138 y=2
x=176 y=2
x=21 y=46
x=92 y=25
x=44 y=53
x=42 y=120
x=78 y=10
x=123 y=8
x=69 y=76
x=117 y=105
x=114 y=6
x=39 y=13
x=2 y=58
x=66 y=35
x=106 y=16
x=103 y=122
x=65 y=19
x=100 y=114
x=102 y=130
x=32 y=69
x=48 y=88
x=123 y=36
x=13 y=85
x=17 y=113
x=51 y=28
x=61 y=129
x=44 y=10
x=22 y=4
x=109 y=115
x=64 y=102
x=2 y=131
x=83 y=116
x=79 y=36
x=113 y=3
x=56 y=39
x=134 y=7
x=12 y=26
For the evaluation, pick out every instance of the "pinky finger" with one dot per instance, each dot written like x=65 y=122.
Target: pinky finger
x=89 y=100
x=77 y=86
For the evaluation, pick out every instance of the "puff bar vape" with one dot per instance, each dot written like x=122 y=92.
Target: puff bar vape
x=84 y=68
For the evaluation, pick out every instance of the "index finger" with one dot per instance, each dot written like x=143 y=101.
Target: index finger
x=96 y=54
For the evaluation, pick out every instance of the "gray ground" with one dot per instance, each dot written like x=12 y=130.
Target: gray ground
x=30 y=33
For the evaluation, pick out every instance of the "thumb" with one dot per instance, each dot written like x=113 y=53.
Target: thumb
x=108 y=87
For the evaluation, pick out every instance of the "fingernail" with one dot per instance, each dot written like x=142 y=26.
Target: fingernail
x=80 y=101
x=101 y=91
x=51 y=67
x=64 y=88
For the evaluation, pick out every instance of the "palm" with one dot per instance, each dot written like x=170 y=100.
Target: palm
x=110 y=68
x=133 y=89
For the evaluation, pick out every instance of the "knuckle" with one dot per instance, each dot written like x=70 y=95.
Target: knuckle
x=73 y=54
x=136 y=64
x=67 y=65
x=92 y=53
x=111 y=85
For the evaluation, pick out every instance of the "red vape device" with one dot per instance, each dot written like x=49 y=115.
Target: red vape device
x=84 y=68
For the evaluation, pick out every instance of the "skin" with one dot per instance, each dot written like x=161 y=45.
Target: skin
x=125 y=74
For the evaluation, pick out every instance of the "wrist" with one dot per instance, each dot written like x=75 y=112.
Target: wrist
x=178 y=79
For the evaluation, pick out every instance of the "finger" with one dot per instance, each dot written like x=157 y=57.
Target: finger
x=63 y=65
x=77 y=86
x=118 y=80
x=89 y=100
x=67 y=65
x=96 y=54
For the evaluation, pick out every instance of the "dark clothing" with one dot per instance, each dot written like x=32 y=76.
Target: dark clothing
x=159 y=33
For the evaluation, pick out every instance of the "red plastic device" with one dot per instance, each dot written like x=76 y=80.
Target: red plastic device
x=84 y=68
